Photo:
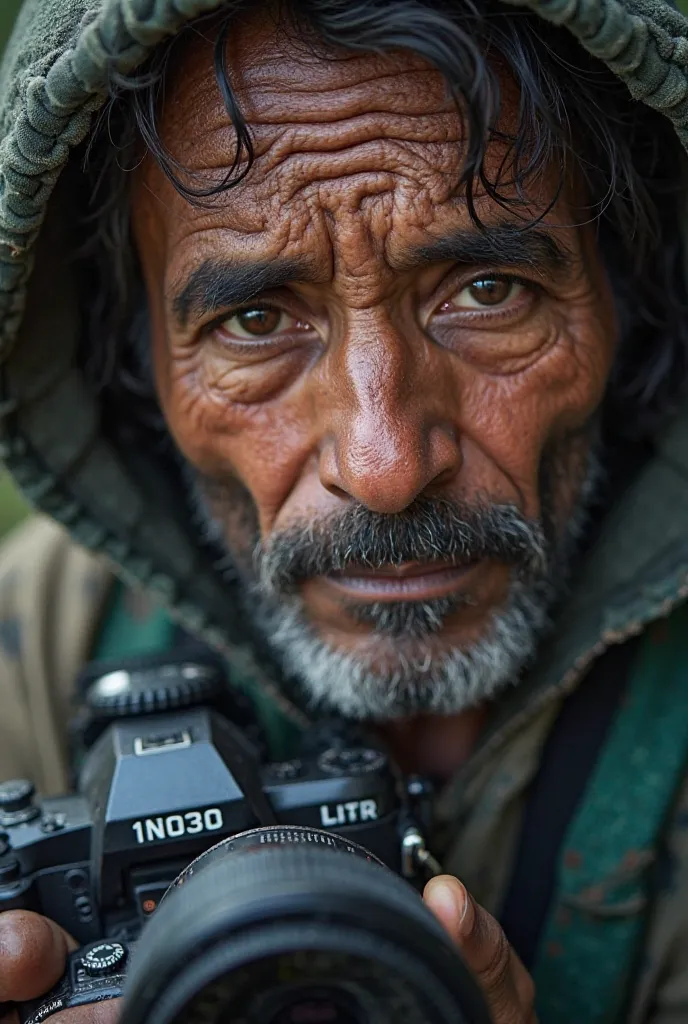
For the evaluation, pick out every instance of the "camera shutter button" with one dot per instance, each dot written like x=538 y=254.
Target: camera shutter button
x=103 y=959
x=16 y=802
x=16 y=795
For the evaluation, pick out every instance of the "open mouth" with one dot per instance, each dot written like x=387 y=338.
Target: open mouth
x=410 y=582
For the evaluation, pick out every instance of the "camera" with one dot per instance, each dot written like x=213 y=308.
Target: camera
x=207 y=884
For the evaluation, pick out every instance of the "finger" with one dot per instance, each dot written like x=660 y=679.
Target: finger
x=504 y=980
x=33 y=951
x=449 y=902
x=107 y=1012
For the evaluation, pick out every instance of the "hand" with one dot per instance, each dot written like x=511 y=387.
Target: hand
x=33 y=952
x=505 y=982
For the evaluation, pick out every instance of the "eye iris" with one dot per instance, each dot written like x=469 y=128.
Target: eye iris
x=259 y=321
x=490 y=291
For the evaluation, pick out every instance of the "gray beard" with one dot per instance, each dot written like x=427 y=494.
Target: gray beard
x=417 y=678
x=420 y=674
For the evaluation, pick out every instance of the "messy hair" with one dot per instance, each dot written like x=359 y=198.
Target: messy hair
x=574 y=115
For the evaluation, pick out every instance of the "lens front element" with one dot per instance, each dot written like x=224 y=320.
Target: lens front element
x=304 y=932
x=315 y=1007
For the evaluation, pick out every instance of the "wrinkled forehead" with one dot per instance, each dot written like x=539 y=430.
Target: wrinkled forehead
x=339 y=139
x=284 y=76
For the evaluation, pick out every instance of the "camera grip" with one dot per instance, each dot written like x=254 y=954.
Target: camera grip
x=94 y=973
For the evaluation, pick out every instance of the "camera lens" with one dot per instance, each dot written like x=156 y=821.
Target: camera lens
x=296 y=926
x=316 y=1007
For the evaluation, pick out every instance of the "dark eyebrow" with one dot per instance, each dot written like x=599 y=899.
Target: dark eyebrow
x=221 y=284
x=500 y=245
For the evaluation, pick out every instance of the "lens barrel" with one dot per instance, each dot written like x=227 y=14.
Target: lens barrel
x=296 y=926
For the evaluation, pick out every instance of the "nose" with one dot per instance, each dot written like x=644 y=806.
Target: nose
x=389 y=438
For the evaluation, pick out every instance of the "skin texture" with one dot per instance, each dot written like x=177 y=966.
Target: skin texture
x=386 y=380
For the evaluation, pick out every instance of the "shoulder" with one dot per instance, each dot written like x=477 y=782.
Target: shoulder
x=39 y=559
x=51 y=593
x=52 y=596
x=38 y=539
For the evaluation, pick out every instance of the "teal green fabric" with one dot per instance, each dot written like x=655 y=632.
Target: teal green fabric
x=127 y=631
x=591 y=942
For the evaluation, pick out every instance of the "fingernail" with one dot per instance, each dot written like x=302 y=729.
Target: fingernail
x=466 y=902
x=451 y=897
x=446 y=898
x=467 y=916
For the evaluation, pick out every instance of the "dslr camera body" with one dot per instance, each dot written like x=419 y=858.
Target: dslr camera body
x=171 y=789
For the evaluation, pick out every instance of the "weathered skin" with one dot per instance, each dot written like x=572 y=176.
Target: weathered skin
x=385 y=379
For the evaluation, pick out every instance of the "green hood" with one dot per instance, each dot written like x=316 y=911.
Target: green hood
x=53 y=82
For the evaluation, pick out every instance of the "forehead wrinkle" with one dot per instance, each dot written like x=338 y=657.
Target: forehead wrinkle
x=339 y=182
x=328 y=157
x=338 y=136
x=285 y=168
x=396 y=97
x=412 y=89
x=213 y=147
x=320 y=69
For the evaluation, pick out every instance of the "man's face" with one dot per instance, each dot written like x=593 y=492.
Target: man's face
x=396 y=404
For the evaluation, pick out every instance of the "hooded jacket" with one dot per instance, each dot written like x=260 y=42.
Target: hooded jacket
x=115 y=504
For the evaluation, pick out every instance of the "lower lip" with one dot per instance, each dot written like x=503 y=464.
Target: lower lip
x=425 y=587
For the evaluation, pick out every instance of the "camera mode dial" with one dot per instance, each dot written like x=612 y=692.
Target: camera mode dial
x=103 y=959
x=142 y=691
x=16 y=802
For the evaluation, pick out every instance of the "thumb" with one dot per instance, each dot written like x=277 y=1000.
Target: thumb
x=483 y=944
x=485 y=949
x=33 y=953
x=449 y=901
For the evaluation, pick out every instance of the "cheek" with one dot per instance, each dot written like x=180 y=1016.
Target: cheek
x=264 y=446
x=511 y=420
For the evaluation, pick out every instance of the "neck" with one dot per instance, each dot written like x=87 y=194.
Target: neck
x=434 y=745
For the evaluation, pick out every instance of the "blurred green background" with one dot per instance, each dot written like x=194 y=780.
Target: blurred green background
x=12 y=507
x=8 y=9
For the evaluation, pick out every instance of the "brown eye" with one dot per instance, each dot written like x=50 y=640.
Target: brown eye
x=486 y=293
x=490 y=291
x=262 y=322
x=259 y=321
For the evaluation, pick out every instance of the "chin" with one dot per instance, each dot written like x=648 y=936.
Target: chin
x=388 y=653
x=372 y=675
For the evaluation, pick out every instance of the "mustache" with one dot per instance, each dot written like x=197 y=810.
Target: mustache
x=429 y=530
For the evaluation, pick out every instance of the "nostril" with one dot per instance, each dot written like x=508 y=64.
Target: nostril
x=336 y=491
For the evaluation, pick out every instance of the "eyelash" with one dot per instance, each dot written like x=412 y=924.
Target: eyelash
x=486 y=275
x=222 y=318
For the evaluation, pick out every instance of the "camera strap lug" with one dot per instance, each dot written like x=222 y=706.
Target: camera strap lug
x=415 y=856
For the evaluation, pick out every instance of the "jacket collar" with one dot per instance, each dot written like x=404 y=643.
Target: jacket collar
x=635 y=573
